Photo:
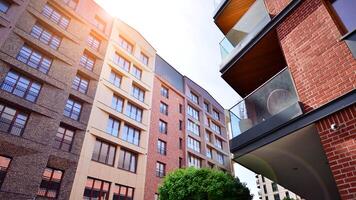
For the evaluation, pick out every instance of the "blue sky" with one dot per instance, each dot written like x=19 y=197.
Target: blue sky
x=184 y=34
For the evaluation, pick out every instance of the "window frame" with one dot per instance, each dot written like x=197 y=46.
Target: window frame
x=85 y=61
x=138 y=93
x=134 y=112
x=162 y=147
x=62 y=140
x=93 y=42
x=107 y=153
x=73 y=107
x=80 y=87
x=125 y=44
x=55 y=16
x=39 y=32
x=136 y=133
x=132 y=155
x=164 y=92
x=163 y=108
x=160 y=169
x=34 y=59
x=126 y=194
x=113 y=126
x=101 y=188
x=162 y=126
x=50 y=182
x=15 y=118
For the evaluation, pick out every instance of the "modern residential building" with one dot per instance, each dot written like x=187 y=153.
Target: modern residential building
x=113 y=159
x=269 y=190
x=48 y=82
x=293 y=63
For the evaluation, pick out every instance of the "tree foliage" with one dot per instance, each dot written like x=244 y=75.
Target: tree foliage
x=202 y=184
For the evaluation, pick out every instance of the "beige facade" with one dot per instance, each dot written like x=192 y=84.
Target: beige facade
x=102 y=109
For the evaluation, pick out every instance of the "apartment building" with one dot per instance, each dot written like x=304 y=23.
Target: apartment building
x=269 y=190
x=48 y=82
x=112 y=163
x=293 y=63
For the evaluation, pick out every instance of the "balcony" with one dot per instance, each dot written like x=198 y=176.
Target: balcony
x=275 y=102
x=251 y=23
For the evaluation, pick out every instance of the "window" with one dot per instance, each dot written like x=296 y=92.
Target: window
x=21 y=86
x=99 y=23
x=71 y=3
x=193 y=112
x=122 y=192
x=136 y=72
x=194 y=161
x=194 y=128
x=274 y=187
x=206 y=120
x=104 y=153
x=4 y=165
x=220 y=158
x=263 y=179
x=287 y=194
x=87 y=61
x=208 y=136
x=93 y=42
x=164 y=92
x=125 y=44
x=163 y=108
x=80 y=84
x=45 y=36
x=276 y=197
x=11 y=120
x=266 y=197
x=209 y=153
x=144 y=58
x=64 y=138
x=134 y=112
x=113 y=127
x=4 y=6
x=180 y=162
x=180 y=125
x=115 y=79
x=180 y=143
x=265 y=189
x=344 y=9
x=127 y=160
x=216 y=114
x=194 y=97
x=34 y=59
x=138 y=93
x=162 y=127
x=162 y=147
x=55 y=16
x=218 y=143
x=215 y=128
x=194 y=144
x=206 y=106
x=51 y=182
x=117 y=103
x=121 y=62
x=180 y=108
x=72 y=109
x=96 y=189
x=131 y=135
x=160 y=169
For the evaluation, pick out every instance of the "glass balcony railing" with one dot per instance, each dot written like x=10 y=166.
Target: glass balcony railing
x=245 y=29
x=275 y=99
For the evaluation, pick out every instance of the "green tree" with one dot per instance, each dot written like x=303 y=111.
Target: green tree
x=202 y=184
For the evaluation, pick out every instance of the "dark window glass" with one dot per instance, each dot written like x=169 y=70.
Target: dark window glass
x=180 y=108
x=104 y=152
x=180 y=125
x=11 y=120
x=64 y=138
x=131 y=135
x=4 y=6
x=122 y=192
x=4 y=165
x=51 y=182
x=162 y=147
x=128 y=160
x=180 y=143
x=55 y=16
x=96 y=189
x=265 y=189
x=160 y=169
x=72 y=109
x=180 y=162
x=276 y=197
x=345 y=9
x=163 y=127
x=274 y=187
x=34 y=59
x=80 y=84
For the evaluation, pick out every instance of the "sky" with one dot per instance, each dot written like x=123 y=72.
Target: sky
x=184 y=34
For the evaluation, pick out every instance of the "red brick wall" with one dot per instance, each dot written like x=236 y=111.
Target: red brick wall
x=322 y=67
x=274 y=7
x=340 y=149
x=172 y=138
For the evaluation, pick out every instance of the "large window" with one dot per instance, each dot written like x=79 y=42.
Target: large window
x=193 y=144
x=96 y=189
x=163 y=108
x=218 y=143
x=45 y=36
x=21 y=86
x=113 y=127
x=206 y=106
x=55 y=16
x=117 y=103
x=128 y=160
x=194 y=97
x=276 y=197
x=160 y=169
x=80 y=84
x=162 y=126
x=216 y=128
x=220 y=157
x=194 y=161
x=208 y=136
x=122 y=192
x=193 y=112
x=134 y=112
x=131 y=135
x=72 y=109
x=4 y=165
x=164 y=92
x=104 y=153
x=136 y=72
x=161 y=147
x=11 y=120
x=64 y=138
x=345 y=10
x=71 y=3
x=193 y=127
x=121 y=62
x=93 y=42
x=144 y=58
x=87 y=61
x=138 y=93
x=115 y=79
x=274 y=187
x=34 y=59
x=209 y=153
x=51 y=182
x=125 y=44
x=216 y=114
x=4 y=6
x=99 y=23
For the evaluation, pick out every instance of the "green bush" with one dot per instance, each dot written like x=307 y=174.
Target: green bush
x=202 y=184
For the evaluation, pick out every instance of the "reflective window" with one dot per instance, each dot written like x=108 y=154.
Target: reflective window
x=125 y=44
x=104 y=153
x=131 y=135
x=96 y=189
x=160 y=169
x=34 y=59
x=51 y=182
x=55 y=16
x=113 y=127
x=64 y=138
x=4 y=165
x=138 y=93
x=12 y=121
x=134 y=112
x=87 y=61
x=121 y=62
x=122 y=192
x=93 y=42
x=72 y=109
x=80 y=84
x=45 y=36
x=127 y=160
x=115 y=79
